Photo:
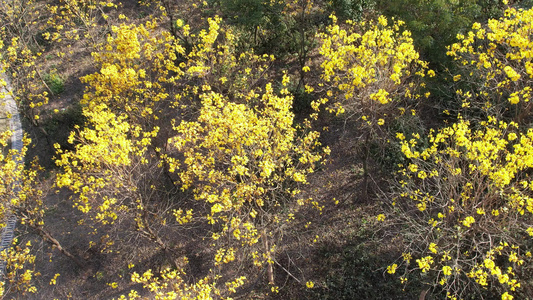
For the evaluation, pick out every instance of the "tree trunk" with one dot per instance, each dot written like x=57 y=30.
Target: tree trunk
x=270 y=269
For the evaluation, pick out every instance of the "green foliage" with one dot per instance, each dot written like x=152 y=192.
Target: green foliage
x=261 y=20
x=54 y=82
x=435 y=23
x=351 y=9
x=251 y=13
x=281 y=28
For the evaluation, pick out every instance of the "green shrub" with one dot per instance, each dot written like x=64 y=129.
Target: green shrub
x=54 y=82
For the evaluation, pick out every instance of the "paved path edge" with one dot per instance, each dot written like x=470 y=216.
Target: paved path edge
x=6 y=239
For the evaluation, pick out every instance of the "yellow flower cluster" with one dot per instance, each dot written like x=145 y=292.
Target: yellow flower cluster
x=365 y=71
x=236 y=156
x=487 y=269
x=126 y=85
x=19 y=273
x=170 y=285
x=497 y=57
x=425 y=263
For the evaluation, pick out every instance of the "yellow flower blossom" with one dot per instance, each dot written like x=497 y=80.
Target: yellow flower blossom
x=392 y=268
x=468 y=221
x=425 y=263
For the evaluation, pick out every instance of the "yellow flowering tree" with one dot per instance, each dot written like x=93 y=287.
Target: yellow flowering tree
x=465 y=200
x=495 y=69
x=371 y=74
x=366 y=73
x=21 y=53
x=466 y=209
x=114 y=169
x=246 y=161
x=241 y=155
x=137 y=88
